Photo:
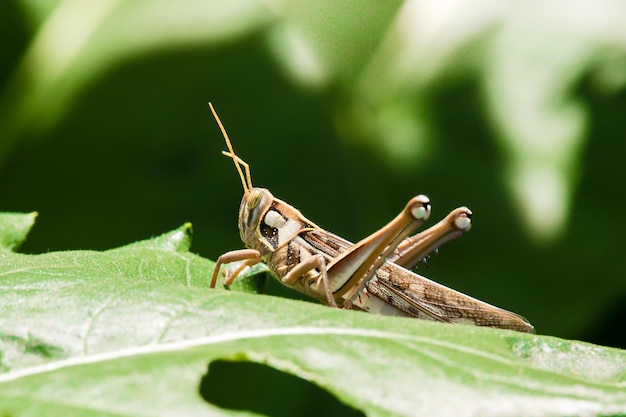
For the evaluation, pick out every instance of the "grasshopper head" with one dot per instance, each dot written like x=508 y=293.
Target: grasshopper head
x=255 y=204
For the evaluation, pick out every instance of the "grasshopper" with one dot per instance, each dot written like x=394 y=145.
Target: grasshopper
x=373 y=275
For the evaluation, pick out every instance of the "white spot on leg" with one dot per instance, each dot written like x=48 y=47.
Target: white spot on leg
x=421 y=209
x=420 y=212
x=462 y=223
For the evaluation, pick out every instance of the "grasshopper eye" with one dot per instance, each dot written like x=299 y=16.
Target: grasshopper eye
x=254 y=199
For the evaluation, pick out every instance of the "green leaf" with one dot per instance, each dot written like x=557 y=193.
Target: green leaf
x=13 y=229
x=131 y=331
x=58 y=302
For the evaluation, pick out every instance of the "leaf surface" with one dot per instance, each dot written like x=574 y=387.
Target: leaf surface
x=131 y=331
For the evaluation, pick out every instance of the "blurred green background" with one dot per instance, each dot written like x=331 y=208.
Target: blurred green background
x=345 y=110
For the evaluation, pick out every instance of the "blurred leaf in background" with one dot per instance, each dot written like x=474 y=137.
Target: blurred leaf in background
x=344 y=109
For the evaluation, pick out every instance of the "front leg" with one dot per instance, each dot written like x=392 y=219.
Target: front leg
x=249 y=256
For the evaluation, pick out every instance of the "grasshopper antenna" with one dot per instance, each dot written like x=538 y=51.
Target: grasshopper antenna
x=246 y=179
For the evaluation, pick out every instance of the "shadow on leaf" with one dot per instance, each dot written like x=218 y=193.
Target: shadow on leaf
x=264 y=390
